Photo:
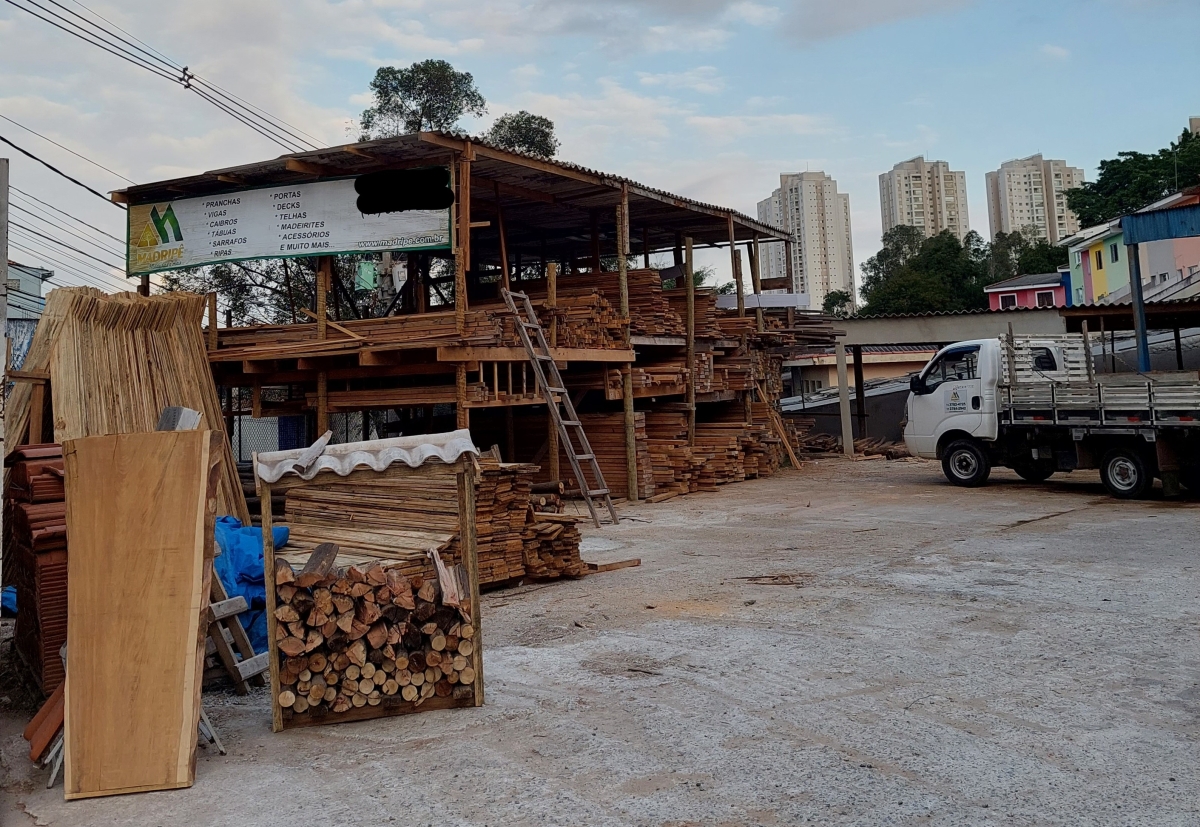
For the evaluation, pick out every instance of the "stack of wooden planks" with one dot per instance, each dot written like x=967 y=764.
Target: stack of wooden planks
x=606 y=433
x=370 y=636
x=707 y=315
x=115 y=361
x=555 y=550
x=36 y=559
x=583 y=318
x=650 y=313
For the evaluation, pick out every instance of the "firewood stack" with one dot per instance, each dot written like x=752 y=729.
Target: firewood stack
x=354 y=637
x=36 y=559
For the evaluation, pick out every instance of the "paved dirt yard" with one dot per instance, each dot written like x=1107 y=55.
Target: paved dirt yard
x=856 y=643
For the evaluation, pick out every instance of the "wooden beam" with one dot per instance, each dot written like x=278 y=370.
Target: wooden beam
x=462 y=415
x=735 y=264
x=332 y=324
x=551 y=422
x=627 y=372
x=322 y=407
x=505 y=277
x=212 y=321
x=755 y=283
x=226 y=178
x=324 y=278
x=562 y=355
x=309 y=168
x=462 y=258
x=690 y=286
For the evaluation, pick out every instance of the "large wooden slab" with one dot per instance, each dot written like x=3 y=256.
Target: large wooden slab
x=140 y=511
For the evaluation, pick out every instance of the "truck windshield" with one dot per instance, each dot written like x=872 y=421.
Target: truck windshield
x=953 y=366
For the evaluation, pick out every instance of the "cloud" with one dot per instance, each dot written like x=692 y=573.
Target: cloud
x=754 y=13
x=812 y=20
x=1056 y=52
x=722 y=129
x=704 y=79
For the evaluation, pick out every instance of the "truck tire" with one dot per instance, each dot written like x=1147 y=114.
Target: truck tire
x=1034 y=471
x=1125 y=474
x=965 y=463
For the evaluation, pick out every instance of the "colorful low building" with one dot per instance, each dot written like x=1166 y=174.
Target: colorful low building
x=1034 y=290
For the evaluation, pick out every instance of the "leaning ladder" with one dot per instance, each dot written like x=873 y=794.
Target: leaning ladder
x=555 y=393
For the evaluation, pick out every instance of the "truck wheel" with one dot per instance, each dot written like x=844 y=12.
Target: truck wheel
x=1034 y=472
x=1125 y=475
x=965 y=463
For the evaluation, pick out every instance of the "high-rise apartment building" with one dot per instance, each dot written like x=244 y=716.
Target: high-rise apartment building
x=924 y=194
x=1032 y=193
x=809 y=206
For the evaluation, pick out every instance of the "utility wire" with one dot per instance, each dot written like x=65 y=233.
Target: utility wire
x=54 y=240
x=72 y=262
x=58 y=171
x=262 y=122
x=68 y=149
x=61 y=211
x=62 y=265
x=26 y=213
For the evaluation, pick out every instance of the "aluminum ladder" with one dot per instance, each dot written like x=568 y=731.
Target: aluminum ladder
x=555 y=393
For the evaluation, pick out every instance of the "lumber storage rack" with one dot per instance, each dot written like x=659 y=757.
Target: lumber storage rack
x=462 y=470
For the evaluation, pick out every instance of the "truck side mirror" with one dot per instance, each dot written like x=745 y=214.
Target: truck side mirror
x=917 y=385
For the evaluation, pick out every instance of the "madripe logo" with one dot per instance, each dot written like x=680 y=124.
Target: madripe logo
x=157 y=239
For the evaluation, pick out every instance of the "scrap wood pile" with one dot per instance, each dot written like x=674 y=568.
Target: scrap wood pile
x=875 y=447
x=36 y=558
x=401 y=519
x=819 y=443
x=115 y=361
x=358 y=636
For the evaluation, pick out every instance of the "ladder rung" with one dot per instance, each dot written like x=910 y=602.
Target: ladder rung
x=530 y=325
x=543 y=357
x=596 y=492
x=556 y=390
x=571 y=423
x=585 y=456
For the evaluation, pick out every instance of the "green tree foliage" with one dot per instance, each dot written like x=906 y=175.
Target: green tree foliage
x=427 y=95
x=837 y=303
x=525 y=132
x=1022 y=253
x=912 y=274
x=1134 y=180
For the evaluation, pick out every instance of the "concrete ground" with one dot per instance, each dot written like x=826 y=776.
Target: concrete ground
x=854 y=643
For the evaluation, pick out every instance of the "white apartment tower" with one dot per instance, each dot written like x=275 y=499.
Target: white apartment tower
x=809 y=206
x=924 y=194
x=1031 y=192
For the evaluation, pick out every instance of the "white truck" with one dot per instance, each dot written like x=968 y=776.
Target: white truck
x=1035 y=404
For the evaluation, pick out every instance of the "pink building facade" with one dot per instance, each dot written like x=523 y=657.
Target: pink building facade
x=1039 y=290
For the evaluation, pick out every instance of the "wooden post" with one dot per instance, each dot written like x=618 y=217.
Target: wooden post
x=37 y=413
x=646 y=247
x=690 y=288
x=756 y=282
x=470 y=552
x=324 y=279
x=860 y=395
x=462 y=258
x=735 y=263
x=322 y=403
x=596 y=241
x=212 y=321
x=789 y=268
x=844 y=400
x=627 y=372
x=551 y=427
x=263 y=489
x=460 y=396
x=1087 y=350
x=678 y=252
x=505 y=279
x=287 y=283
x=144 y=285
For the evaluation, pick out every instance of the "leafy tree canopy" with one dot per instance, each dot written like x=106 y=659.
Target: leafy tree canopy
x=1021 y=253
x=912 y=274
x=525 y=132
x=1134 y=180
x=427 y=95
x=838 y=303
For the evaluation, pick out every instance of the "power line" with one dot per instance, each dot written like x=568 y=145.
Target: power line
x=64 y=228
x=58 y=171
x=78 y=262
x=61 y=211
x=68 y=149
x=59 y=263
x=130 y=49
x=54 y=240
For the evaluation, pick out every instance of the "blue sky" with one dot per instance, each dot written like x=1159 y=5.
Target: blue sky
x=708 y=98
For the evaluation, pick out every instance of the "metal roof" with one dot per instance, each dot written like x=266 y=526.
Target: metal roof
x=376 y=454
x=1026 y=281
x=547 y=205
x=980 y=311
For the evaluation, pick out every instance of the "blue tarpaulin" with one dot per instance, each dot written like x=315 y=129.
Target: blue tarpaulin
x=240 y=567
x=8 y=600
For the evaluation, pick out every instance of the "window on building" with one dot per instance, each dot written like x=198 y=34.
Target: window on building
x=1099 y=260
x=1114 y=252
x=1008 y=300
x=1078 y=258
x=1045 y=298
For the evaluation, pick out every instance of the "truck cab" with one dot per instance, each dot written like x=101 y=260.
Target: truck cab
x=954 y=394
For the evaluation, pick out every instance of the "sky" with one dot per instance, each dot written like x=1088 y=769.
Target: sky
x=710 y=99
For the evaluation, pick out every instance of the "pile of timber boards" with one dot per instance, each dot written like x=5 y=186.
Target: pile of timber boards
x=582 y=317
x=115 y=361
x=707 y=315
x=370 y=636
x=650 y=313
x=36 y=559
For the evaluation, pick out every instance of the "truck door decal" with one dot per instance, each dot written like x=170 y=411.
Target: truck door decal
x=955 y=402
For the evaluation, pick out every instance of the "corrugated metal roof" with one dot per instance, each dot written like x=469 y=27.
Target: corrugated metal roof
x=976 y=312
x=377 y=454
x=1030 y=280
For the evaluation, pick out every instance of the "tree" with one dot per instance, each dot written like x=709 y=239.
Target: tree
x=1134 y=180
x=1022 y=253
x=942 y=273
x=427 y=95
x=838 y=303
x=525 y=132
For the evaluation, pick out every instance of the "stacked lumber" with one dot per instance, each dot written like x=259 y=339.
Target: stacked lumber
x=820 y=444
x=115 y=361
x=876 y=447
x=707 y=315
x=370 y=636
x=650 y=313
x=36 y=559
x=665 y=378
x=606 y=433
x=555 y=550
x=675 y=466
x=583 y=318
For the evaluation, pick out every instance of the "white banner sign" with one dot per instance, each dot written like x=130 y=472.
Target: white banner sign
x=314 y=219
